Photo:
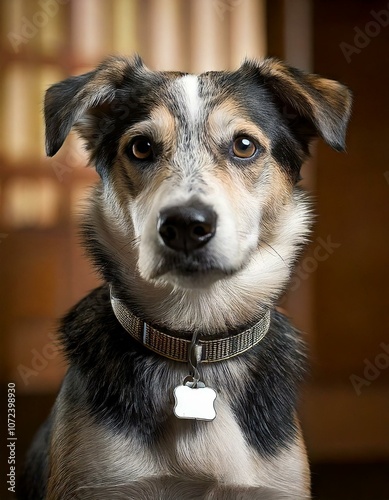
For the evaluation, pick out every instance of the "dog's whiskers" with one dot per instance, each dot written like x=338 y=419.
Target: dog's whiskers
x=262 y=242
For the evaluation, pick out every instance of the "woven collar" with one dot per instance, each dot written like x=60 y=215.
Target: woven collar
x=177 y=348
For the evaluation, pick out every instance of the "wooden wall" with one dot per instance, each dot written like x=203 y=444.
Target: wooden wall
x=349 y=404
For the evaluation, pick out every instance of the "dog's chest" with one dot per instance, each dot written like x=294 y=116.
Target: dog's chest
x=200 y=452
x=213 y=450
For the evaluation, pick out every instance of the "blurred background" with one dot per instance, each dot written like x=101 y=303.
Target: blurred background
x=339 y=294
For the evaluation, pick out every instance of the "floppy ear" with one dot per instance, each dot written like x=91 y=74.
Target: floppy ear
x=68 y=101
x=312 y=105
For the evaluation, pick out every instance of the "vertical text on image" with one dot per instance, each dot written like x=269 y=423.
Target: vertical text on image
x=11 y=437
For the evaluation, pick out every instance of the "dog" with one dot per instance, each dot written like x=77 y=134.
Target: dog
x=183 y=378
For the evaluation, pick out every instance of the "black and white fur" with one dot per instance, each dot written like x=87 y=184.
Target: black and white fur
x=112 y=432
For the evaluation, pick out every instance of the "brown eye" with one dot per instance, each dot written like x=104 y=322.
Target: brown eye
x=243 y=147
x=141 y=148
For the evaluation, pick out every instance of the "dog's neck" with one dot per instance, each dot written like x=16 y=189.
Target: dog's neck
x=210 y=312
x=175 y=346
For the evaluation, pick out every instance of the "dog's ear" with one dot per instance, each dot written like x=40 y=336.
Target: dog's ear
x=68 y=101
x=312 y=105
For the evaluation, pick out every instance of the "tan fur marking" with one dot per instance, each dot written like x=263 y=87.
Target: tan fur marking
x=278 y=70
x=278 y=196
x=226 y=122
x=336 y=94
x=227 y=119
x=110 y=72
x=160 y=126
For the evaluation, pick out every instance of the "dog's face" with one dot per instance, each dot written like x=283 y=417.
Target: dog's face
x=198 y=173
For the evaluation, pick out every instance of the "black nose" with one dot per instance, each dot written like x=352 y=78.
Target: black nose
x=187 y=228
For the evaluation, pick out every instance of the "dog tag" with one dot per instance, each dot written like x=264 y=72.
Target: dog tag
x=195 y=403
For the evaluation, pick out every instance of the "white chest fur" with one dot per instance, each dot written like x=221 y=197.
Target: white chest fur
x=205 y=452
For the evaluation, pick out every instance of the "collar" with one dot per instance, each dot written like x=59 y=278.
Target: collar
x=178 y=348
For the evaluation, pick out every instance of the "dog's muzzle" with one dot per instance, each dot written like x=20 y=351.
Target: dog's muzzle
x=187 y=228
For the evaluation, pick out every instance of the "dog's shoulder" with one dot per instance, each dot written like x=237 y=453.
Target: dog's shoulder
x=88 y=312
x=90 y=328
x=267 y=404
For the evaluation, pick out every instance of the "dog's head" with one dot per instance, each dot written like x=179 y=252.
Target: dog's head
x=199 y=173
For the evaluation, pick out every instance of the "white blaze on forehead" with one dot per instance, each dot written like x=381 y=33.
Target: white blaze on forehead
x=190 y=88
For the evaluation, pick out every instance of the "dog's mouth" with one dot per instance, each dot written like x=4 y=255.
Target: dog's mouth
x=191 y=271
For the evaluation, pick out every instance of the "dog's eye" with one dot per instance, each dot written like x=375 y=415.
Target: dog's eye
x=243 y=147
x=141 y=148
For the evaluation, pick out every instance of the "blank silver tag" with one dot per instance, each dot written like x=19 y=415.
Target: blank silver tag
x=196 y=403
